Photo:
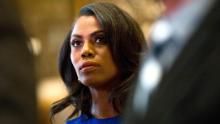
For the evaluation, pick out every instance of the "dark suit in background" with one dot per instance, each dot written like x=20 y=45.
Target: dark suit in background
x=17 y=81
x=189 y=91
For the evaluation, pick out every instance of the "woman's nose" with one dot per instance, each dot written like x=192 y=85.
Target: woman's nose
x=87 y=50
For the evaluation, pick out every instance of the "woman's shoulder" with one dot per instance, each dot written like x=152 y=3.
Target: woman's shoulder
x=76 y=119
x=62 y=116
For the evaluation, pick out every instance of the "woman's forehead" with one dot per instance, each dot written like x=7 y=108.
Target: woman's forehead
x=86 y=25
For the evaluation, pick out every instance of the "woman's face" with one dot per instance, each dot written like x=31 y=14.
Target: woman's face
x=90 y=54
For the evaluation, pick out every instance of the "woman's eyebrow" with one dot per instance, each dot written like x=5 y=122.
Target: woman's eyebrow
x=92 y=34
x=97 y=32
x=76 y=35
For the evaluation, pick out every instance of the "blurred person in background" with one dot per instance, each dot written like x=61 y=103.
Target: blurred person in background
x=17 y=80
x=178 y=82
x=98 y=61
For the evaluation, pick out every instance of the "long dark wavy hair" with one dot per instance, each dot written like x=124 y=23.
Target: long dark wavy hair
x=126 y=43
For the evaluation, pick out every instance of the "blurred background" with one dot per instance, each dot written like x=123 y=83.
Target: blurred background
x=44 y=24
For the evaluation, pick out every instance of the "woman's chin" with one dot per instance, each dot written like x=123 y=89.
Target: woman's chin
x=90 y=82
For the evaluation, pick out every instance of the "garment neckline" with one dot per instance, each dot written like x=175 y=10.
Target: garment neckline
x=107 y=118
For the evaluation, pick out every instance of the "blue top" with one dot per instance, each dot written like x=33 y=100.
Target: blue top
x=83 y=119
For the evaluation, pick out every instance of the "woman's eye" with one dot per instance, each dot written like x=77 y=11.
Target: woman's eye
x=76 y=43
x=100 y=40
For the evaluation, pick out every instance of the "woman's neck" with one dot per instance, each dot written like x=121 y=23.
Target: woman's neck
x=101 y=106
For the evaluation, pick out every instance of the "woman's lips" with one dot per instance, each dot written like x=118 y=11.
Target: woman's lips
x=88 y=66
